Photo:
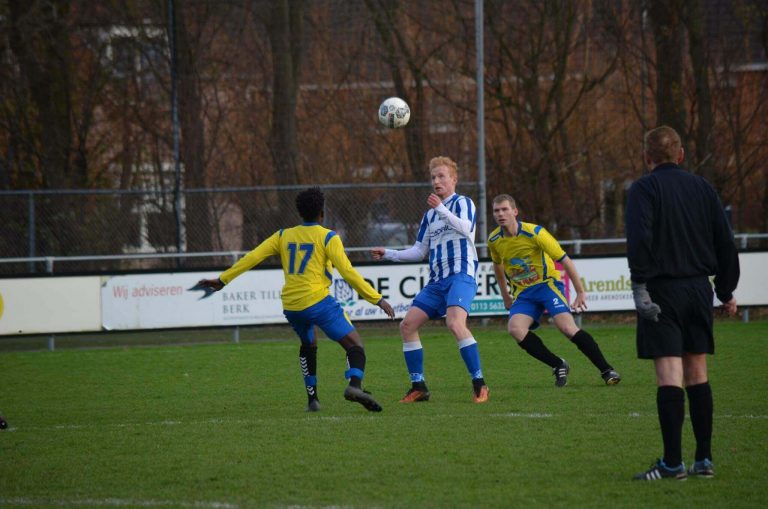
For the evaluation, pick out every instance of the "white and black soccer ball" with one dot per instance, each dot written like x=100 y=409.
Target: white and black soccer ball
x=394 y=113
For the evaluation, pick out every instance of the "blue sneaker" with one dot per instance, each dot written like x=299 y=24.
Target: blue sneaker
x=703 y=468
x=659 y=471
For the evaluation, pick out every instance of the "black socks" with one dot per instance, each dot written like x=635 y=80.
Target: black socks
x=701 y=408
x=670 y=402
x=356 y=362
x=586 y=343
x=308 y=363
x=536 y=349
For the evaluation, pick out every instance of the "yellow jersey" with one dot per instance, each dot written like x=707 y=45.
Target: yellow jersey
x=308 y=254
x=528 y=257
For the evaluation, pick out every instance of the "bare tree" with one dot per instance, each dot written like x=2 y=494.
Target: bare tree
x=542 y=73
x=39 y=39
x=668 y=33
x=284 y=20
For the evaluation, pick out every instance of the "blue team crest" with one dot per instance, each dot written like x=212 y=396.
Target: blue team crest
x=343 y=293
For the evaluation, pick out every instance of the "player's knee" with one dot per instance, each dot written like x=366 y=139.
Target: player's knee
x=406 y=328
x=456 y=324
x=517 y=331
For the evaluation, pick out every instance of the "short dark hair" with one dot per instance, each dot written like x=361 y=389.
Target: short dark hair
x=310 y=204
x=504 y=197
x=662 y=145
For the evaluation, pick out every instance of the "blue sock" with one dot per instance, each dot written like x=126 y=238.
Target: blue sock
x=471 y=355
x=414 y=359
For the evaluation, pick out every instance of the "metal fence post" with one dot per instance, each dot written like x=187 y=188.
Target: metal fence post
x=31 y=230
x=51 y=343
x=236 y=334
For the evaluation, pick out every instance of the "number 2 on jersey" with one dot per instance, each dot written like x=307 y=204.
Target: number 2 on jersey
x=307 y=249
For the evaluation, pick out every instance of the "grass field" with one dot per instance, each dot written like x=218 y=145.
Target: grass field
x=223 y=426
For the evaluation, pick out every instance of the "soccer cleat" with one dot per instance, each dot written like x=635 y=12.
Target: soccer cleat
x=561 y=374
x=358 y=395
x=611 y=377
x=313 y=405
x=415 y=395
x=703 y=468
x=481 y=394
x=659 y=471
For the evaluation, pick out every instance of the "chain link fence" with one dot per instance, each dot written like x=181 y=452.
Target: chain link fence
x=138 y=230
x=229 y=221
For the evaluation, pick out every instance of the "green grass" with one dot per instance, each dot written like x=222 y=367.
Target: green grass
x=223 y=425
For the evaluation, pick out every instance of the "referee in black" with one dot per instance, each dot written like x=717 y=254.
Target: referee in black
x=678 y=236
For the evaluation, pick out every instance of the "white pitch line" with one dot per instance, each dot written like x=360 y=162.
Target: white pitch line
x=114 y=502
x=534 y=415
x=362 y=417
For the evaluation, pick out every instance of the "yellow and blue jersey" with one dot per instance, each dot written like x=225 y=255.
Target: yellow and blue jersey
x=308 y=254
x=528 y=258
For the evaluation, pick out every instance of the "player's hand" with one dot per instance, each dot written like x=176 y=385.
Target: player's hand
x=580 y=304
x=378 y=253
x=730 y=306
x=387 y=308
x=213 y=284
x=434 y=200
x=646 y=308
x=208 y=286
x=507 y=302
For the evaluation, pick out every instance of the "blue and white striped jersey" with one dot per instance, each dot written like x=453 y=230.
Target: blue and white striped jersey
x=447 y=233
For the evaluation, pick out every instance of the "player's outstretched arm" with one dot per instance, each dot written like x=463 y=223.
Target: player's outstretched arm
x=415 y=253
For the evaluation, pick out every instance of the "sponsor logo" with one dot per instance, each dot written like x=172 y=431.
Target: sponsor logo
x=521 y=272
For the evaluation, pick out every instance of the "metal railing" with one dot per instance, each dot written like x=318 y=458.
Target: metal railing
x=225 y=258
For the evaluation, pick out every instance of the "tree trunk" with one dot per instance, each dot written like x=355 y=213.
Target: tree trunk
x=703 y=164
x=285 y=28
x=668 y=37
x=39 y=38
x=197 y=218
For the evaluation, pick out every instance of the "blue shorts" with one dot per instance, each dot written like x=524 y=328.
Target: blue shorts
x=549 y=295
x=437 y=296
x=326 y=314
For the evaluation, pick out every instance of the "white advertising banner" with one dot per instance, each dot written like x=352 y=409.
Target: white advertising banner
x=48 y=305
x=753 y=283
x=162 y=300
x=156 y=301
x=150 y=301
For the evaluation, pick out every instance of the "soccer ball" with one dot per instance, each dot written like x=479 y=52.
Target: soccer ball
x=394 y=113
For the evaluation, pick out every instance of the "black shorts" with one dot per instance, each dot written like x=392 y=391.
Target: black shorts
x=685 y=322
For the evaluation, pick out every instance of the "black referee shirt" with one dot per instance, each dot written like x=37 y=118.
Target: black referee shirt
x=676 y=228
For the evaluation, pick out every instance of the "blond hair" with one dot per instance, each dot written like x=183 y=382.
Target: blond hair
x=662 y=145
x=444 y=161
x=505 y=197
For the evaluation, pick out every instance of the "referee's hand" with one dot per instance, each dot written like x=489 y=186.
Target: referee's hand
x=646 y=308
x=730 y=306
